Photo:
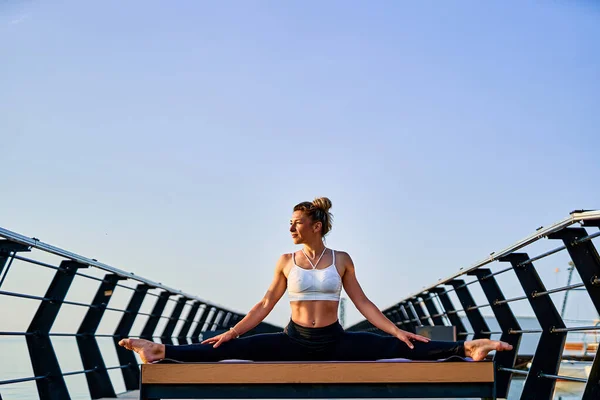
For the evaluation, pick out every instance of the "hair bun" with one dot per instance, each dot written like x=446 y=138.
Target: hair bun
x=323 y=203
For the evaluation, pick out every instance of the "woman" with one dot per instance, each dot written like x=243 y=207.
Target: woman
x=314 y=277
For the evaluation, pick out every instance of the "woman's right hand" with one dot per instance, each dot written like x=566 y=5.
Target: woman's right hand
x=220 y=339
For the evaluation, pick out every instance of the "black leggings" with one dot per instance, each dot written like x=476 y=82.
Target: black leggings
x=330 y=343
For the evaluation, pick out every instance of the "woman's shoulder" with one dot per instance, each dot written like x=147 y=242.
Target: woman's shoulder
x=342 y=257
x=341 y=253
x=284 y=259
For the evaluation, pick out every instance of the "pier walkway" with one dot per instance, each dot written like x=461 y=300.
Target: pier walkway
x=496 y=283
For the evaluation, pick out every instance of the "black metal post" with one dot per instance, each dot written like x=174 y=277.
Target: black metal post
x=507 y=322
x=6 y=248
x=473 y=314
x=394 y=315
x=225 y=323
x=402 y=317
x=167 y=335
x=159 y=307
x=433 y=310
x=201 y=322
x=42 y=355
x=215 y=320
x=550 y=347
x=586 y=260
x=189 y=319
x=410 y=325
x=233 y=320
x=131 y=375
x=416 y=305
x=97 y=378
x=461 y=331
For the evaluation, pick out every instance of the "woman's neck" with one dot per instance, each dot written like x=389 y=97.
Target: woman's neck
x=314 y=249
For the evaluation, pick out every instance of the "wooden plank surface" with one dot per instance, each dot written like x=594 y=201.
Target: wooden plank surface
x=342 y=372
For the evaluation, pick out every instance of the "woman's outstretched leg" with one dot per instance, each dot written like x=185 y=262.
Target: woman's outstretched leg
x=262 y=347
x=363 y=346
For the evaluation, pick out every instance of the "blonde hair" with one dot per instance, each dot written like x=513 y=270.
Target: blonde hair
x=318 y=211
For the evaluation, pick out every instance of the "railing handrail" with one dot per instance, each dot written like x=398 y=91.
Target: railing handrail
x=575 y=217
x=36 y=243
x=420 y=311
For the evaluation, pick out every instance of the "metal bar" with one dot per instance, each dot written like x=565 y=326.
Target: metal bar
x=126 y=287
x=170 y=326
x=550 y=346
x=97 y=378
x=200 y=325
x=85 y=371
x=35 y=243
x=64 y=334
x=492 y=333
x=496 y=273
x=217 y=318
x=587 y=262
x=478 y=307
x=74 y=303
x=587 y=238
x=114 y=309
x=189 y=319
x=8 y=250
x=514 y=371
x=41 y=352
x=499 y=302
x=131 y=376
x=560 y=289
x=3 y=259
x=519 y=331
x=543 y=255
x=507 y=321
x=450 y=312
x=118 y=367
x=416 y=305
x=24 y=296
x=34 y=378
x=94 y=278
x=575 y=217
x=414 y=313
x=564 y=378
x=36 y=262
x=577 y=328
x=225 y=322
x=407 y=320
x=473 y=314
x=157 y=311
x=15 y=333
x=439 y=316
x=432 y=309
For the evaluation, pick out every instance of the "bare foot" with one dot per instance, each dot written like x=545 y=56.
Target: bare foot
x=148 y=351
x=478 y=349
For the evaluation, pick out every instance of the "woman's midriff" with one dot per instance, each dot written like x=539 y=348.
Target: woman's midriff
x=314 y=314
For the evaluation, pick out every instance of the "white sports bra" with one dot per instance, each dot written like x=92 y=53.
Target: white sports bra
x=314 y=284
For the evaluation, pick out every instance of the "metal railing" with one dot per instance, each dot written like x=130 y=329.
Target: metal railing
x=202 y=317
x=433 y=306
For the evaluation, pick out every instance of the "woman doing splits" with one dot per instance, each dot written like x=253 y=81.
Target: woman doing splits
x=314 y=277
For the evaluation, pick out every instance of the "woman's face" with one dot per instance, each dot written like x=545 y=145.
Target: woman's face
x=302 y=228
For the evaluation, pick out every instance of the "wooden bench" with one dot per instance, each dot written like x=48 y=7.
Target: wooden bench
x=269 y=380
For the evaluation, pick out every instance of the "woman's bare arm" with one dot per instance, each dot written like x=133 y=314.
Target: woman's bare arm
x=370 y=310
x=260 y=311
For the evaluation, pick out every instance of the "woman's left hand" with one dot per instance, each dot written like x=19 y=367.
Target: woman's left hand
x=406 y=337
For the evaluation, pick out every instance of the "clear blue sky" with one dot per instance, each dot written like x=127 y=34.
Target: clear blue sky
x=173 y=139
